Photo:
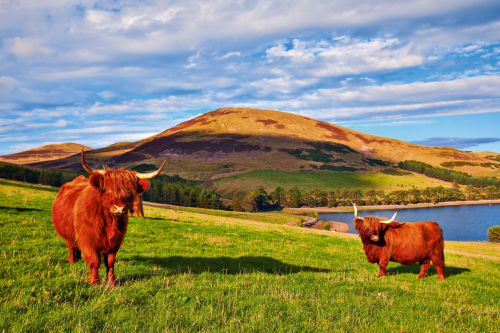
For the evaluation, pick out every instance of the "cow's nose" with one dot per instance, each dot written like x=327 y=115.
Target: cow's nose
x=120 y=210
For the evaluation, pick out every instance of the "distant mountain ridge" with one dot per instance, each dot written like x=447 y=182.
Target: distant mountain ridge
x=232 y=141
x=44 y=153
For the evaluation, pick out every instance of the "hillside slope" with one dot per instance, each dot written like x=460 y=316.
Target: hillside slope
x=231 y=141
x=44 y=153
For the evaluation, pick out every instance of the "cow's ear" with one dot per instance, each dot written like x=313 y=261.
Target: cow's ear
x=143 y=186
x=96 y=180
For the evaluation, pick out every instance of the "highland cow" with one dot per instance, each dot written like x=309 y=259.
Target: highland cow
x=406 y=243
x=91 y=215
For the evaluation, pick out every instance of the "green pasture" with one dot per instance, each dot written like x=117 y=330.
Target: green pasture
x=184 y=271
x=324 y=180
x=275 y=217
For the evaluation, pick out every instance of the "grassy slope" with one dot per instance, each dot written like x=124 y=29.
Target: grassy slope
x=191 y=272
x=323 y=180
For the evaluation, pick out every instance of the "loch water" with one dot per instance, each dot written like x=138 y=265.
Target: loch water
x=459 y=223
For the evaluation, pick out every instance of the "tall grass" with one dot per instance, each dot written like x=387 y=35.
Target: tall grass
x=183 y=271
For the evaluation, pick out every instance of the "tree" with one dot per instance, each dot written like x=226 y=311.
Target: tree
x=296 y=198
x=332 y=198
x=249 y=204
x=277 y=196
x=491 y=192
x=326 y=225
x=215 y=202
x=372 y=197
x=427 y=194
x=44 y=178
x=471 y=192
x=236 y=204
x=260 y=198
x=494 y=234
x=456 y=194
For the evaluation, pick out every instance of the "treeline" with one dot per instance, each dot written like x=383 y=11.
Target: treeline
x=175 y=190
x=295 y=198
x=46 y=177
x=447 y=175
x=172 y=190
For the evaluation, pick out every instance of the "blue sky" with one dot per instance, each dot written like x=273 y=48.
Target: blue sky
x=101 y=72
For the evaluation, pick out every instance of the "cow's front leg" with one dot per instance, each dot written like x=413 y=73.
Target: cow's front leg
x=93 y=260
x=109 y=260
x=424 y=267
x=383 y=262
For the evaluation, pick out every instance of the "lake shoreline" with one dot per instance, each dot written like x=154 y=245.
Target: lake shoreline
x=344 y=209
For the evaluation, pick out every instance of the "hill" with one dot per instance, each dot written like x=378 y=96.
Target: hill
x=229 y=142
x=44 y=153
x=185 y=271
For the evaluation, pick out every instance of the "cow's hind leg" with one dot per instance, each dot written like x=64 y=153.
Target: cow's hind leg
x=74 y=253
x=438 y=261
x=424 y=267
x=109 y=261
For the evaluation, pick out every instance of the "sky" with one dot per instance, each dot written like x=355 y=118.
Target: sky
x=102 y=72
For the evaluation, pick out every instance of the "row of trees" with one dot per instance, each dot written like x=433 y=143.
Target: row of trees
x=172 y=190
x=163 y=190
x=448 y=175
x=259 y=200
x=46 y=177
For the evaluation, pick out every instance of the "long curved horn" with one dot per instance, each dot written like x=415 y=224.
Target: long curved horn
x=355 y=211
x=89 y=169
x=391 y=220
x=151 y=174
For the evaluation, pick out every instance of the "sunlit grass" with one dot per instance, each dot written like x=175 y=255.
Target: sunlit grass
x=324 y=180
x=183 y=271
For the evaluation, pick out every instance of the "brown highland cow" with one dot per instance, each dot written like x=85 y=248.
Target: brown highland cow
x=91 y=215
x=406 y=243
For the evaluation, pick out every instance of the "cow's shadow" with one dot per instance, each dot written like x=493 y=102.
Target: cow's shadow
x=415 y=269
x=222 y=265
x=20 y=209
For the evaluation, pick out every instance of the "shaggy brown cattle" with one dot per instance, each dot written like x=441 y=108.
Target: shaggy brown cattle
x=91 y=215
x=137 y=207
x=406 y=243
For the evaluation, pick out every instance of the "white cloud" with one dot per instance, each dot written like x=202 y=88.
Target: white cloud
x=106 y=94
x=227 y=55
x=399 y=123
x=349 y=56
x=23 y=47
x=168 y=104
x=285 y=84
x=470 y=48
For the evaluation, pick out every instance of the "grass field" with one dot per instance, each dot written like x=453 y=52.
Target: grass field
x=190 y=272
x=325 y=180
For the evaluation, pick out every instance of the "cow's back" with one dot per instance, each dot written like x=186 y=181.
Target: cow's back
x=63 y=208
x=414 y=241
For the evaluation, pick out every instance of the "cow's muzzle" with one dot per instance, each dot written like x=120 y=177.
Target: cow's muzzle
x=119 y=211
